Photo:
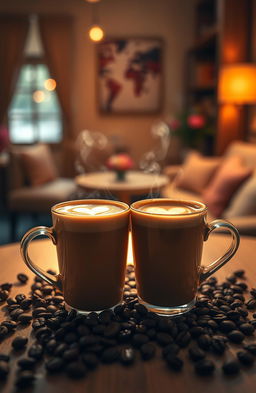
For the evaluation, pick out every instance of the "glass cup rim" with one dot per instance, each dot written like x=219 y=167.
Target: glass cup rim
x=203 y=208
x=92 y=201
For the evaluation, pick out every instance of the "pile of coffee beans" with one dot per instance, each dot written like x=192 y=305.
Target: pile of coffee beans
x=222 y=322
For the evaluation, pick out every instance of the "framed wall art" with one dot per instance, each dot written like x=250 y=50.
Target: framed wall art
x=130 y=76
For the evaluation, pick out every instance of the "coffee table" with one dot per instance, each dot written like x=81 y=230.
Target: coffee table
x=136 y=183
x=142 y=377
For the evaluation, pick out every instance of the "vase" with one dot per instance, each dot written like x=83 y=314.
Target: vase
x=120 y=175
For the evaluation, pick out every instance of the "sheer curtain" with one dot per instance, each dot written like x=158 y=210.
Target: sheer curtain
x=13 y=33
x=56 y=35
x=57 y=39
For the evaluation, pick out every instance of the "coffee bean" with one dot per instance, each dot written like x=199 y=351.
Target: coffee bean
x=3 y=295
x=164 y=339
x=51 y=346
x=3 y=332
x=251 y=304
x=38 y=323
x=204 y=367
x=20 y=297
x=87 y=341
x=232 y=278
x=147 y=351
x=124 y=335
x=24 y=319
x=60 y=349
x=245 y=358
x=226 y=326
x=70 y=337
x=183 y=339
x=112 y=330
x=6 y=286
x=25 y=378
x=239 y=273
x=218 y=345
x=36 y=351
x=47 y=289
x=26 y=363
x=231 y=367
x=235 y=336
x=11 y=301
x=233 y=315
x=139 y=339
x=251 y=348
x=174 y=362
x=110 y=355
x=23 y=278
x=127 y=356
x=90 y=360
x=204 y=341
x=196 y=331
x=15 y=313
x=54 y=365
x=171 y=349
x=4 y=370
x=196 y=353
x=149 y=323
x=70 y=355
x=4 y=357
x=246 y=329
x=43 y=331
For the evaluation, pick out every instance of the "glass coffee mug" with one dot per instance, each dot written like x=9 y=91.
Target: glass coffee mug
x=168 y=238
x=91 y=237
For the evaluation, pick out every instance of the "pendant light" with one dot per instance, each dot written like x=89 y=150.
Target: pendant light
x=96 y=32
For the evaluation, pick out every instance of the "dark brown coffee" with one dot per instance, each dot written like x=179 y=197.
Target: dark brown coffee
x=91 y=239
x=167 y=244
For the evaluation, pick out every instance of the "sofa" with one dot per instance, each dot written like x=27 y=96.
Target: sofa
x=227 y=184
x=34 y=182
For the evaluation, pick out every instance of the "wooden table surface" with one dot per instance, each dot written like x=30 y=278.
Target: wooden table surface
x=136 y=183
x=142 y=377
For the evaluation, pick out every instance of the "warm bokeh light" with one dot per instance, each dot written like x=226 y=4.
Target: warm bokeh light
x=237 y=84
x=50 y=84
x=92 y=1
x=38 y=96
x=96 y=33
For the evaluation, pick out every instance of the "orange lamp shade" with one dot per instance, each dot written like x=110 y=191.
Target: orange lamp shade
x=237 y=84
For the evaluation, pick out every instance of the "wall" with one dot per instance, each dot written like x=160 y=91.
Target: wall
x=169 y=19
x=252 y=110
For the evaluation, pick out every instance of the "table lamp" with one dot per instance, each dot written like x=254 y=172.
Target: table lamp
x=237 y=84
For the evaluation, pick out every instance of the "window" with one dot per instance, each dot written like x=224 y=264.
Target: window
x=34 y=113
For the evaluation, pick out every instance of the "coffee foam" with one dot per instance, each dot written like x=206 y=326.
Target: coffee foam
x=89 y=210
x=169 y=210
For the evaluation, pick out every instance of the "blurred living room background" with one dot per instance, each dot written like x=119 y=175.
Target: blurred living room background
x=165 y=88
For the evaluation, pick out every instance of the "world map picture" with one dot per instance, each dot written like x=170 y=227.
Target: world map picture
x=130 y=75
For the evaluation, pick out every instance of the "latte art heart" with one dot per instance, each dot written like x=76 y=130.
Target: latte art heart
x=89 y=210
x=168 y=210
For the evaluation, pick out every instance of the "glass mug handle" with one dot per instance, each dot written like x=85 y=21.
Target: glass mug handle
x=27 y=238
x=206 y=271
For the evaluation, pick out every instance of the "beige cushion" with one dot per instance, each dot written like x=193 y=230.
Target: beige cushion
x=231 y=174
x=42 y=198
x=197 y=172
x=244 y=201
x=245 y=150
x=38 y=164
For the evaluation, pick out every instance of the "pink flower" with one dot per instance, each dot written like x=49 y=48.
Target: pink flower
x=120 y=162
x=196 y=121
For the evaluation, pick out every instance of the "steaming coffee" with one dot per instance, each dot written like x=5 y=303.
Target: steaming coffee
x=91 y=237
x=168 y=239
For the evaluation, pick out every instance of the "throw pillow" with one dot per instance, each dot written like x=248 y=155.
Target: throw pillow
x=196 y=172
x=231 y=174
x=38 y=164
x=244 y=201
